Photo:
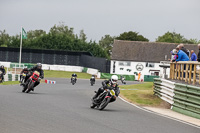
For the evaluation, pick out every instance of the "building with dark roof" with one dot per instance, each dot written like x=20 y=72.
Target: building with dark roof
x=129 y=57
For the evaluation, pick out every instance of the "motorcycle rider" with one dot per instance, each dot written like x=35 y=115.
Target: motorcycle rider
x=75 y=76
x=3 y=72
x=92 y=78
x=108 y=84
x=38 y=68
x=24 y=71
x=122 y=78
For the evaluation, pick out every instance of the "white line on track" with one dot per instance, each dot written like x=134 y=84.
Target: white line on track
x=159 y=114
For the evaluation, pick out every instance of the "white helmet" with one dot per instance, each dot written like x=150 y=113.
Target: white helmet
x=114 y=79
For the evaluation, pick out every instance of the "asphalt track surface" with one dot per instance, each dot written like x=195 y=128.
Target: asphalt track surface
x=64 y=108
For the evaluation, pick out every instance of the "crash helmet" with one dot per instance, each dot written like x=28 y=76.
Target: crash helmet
x=2 y=67
x=39 y=65
x=25 y=69
x=114 y=79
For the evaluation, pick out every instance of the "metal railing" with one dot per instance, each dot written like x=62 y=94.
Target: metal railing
x=185 y=70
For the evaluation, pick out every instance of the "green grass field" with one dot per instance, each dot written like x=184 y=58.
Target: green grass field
x=140 y=94
x=55 y=74
x=64 y=74
x=9 y=83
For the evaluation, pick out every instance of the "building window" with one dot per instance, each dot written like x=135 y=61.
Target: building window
x=150 y=64
x=125 y=63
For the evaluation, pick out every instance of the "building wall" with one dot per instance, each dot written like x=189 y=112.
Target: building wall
x=129 y=68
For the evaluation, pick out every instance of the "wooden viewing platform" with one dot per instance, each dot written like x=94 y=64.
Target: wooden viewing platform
x=189 y=71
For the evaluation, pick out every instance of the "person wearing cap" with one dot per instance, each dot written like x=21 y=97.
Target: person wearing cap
x=174 y=55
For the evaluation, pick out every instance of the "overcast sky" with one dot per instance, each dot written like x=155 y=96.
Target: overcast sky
x=151 y=18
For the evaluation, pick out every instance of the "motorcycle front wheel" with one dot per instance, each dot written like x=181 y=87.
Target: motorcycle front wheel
x=30 y=85
x=104 y=103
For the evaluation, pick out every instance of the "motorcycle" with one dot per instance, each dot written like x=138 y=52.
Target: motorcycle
x=73 y=80
x=23 y=79
x=1 y=76
x=103 y=99
x=31 y=82
x=123 y=80
x=92 y=82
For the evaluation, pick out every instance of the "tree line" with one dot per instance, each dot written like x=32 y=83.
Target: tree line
x=62 y=37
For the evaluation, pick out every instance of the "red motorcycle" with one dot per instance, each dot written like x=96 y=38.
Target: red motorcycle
x=35 y=76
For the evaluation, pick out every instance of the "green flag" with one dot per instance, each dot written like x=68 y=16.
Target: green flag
x=24 y=35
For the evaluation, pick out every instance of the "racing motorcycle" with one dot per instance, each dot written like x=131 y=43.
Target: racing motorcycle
x=103 y=99
x=31 y=82
x=23 y=79
x=92 y=82
x=1 y=76
x=123 y=80
x=73 y=80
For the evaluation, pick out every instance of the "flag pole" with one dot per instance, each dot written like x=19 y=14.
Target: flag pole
x=20 y=53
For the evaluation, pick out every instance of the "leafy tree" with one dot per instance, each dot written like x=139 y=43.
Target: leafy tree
x=82 y=36
x=171 y=37
x=193 y=41
x=131 y=36
x=4 y=38
x=60 y=37
x=106 y=43
x=36 y=33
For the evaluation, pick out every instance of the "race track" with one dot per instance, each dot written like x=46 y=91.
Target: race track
x=64 y=108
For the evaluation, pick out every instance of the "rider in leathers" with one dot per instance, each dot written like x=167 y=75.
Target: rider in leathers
x=75 y=76
x=92 y=78
x=108 y=84
x=24 y=71
x=3 y=72
x=38 y=68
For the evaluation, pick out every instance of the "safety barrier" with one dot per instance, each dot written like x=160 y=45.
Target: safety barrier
x=183 y=98
x=149 y=78
x=12 y=77
x=108 y=76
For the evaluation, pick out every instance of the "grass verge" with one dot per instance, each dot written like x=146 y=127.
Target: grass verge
x=64 y=74
x=10 y=83
x=141 y=94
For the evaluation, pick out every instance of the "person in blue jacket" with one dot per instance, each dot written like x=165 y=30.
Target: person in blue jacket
x=182 y=56
x=193 y=56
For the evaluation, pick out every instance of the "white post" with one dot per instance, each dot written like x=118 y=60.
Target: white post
x=20 y=54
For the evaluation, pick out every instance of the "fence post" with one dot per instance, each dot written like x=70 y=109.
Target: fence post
x=186 y=73
x=190 y=74
x=172 y=70
x=179 y=71
x=176 y=71
x=182 y=71
x=194 y=74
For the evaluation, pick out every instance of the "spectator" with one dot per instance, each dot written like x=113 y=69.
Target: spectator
x=174 y=55
x=193 y=56
x=181 y=47
x=139 y=75
x=181 y=55
x=198 y=53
